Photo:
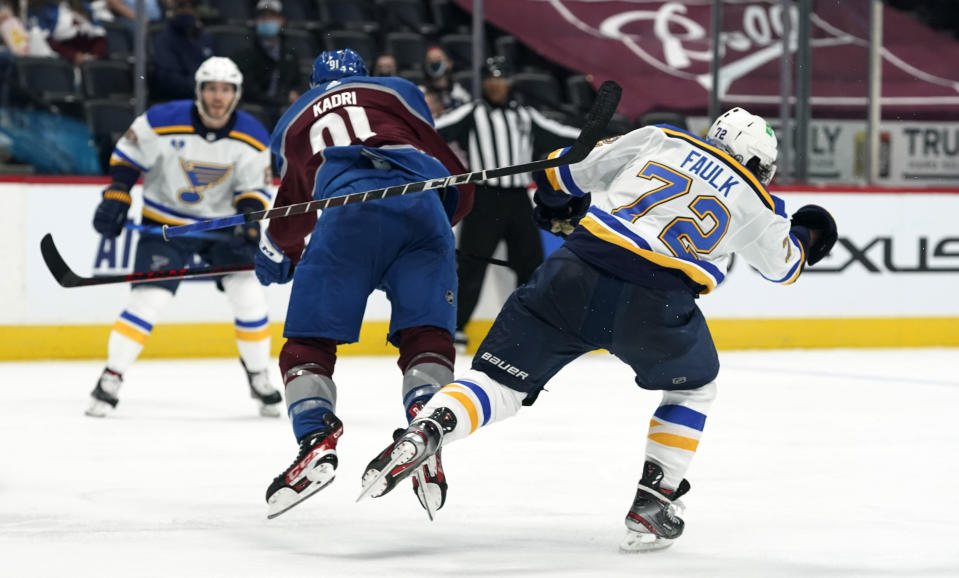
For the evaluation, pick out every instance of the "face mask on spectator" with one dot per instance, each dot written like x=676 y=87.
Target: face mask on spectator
x=436 y=68
x=268 y=28
x=184 y=22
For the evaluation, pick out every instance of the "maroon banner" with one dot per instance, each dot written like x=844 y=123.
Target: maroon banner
x=660 y=53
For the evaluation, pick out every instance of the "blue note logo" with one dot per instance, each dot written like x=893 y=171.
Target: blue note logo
x=201 y=177
x=158 y=262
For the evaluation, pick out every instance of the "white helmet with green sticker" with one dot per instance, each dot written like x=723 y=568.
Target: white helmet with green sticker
x=749 y=139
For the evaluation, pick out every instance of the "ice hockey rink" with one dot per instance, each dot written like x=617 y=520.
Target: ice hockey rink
x=813 y=463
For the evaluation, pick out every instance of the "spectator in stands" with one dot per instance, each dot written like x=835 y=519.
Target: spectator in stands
x=128 y=9
x=438 y=78
x=435 y=104
x=270 y=67
x=14 y=41
x=13 y=36
x=177 y=52
x=71 y=29
x=13 y=33
x=125 y=12
x=384 y=65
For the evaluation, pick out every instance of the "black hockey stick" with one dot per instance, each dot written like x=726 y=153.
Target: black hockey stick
x=607 y=98
x=67 y=278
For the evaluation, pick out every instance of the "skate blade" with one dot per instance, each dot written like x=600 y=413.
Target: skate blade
x=272 y=410
x=285 y=499
x=637 y=542
x=423 y=495
x=98 y=409
x=374 y=483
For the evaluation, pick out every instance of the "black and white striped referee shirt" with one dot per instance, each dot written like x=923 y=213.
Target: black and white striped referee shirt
x=494 y=137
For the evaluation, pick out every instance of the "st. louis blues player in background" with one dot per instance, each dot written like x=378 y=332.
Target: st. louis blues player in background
x=669 y=211
x=352 y=133
x=199 y=160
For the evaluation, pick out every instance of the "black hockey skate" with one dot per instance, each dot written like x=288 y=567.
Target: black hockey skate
x=312 y=470
x=415 y=451
x=263 y=392
x=103 y=398
x=653 y=522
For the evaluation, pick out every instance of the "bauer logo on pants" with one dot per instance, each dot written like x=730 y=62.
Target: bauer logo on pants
x=510 y=369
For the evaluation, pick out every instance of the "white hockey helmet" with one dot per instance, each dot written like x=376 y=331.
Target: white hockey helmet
x=749 y=139
x=217 y=69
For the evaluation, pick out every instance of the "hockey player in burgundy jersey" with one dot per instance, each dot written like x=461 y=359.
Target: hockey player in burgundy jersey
x=351 y=133
x=668 y=211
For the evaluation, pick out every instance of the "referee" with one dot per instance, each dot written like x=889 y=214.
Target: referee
x=496 y=132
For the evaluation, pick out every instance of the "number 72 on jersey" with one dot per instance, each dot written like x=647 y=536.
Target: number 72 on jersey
x=687 y=235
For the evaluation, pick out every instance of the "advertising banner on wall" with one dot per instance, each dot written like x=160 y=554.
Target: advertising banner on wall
x=891 y=280
x=897 y=255
x=660 y=52
x=911 y=153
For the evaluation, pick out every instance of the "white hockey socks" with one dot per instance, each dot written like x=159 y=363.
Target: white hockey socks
x=133 y=327
x=675 y=429
x=476 y=400
x=250 y=312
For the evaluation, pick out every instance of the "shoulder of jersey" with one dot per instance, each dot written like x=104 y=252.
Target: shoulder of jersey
x=747 y=177
x=250 y=131
x=171 y=117
x=402 y=87
x=393 y=82
x=676 y=132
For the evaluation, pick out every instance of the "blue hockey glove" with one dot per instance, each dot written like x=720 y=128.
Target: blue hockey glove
x=822 y=231
x=111 y=213
x=272 y=266
x=559 y=215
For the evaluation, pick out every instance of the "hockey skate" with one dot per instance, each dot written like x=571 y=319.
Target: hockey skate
x=653 y=522
x=415 y=451
x=103 y=398
x=312 y=470
x=265 y=394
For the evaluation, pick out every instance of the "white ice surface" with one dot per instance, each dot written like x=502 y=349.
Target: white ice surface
x=813 y=463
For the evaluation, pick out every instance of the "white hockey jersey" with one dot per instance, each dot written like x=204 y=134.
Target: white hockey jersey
x=189 y=173
x=663 y=196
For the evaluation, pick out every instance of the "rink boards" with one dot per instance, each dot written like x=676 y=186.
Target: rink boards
x=891 y=281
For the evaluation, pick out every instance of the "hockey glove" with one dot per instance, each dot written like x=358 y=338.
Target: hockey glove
x=559 y=216
x=271 y=265
x=246 y=236
x=111 y=213
x=822 y=228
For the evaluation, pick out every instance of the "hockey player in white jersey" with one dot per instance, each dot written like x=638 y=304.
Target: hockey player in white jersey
x=199 y=160
x=668 y=212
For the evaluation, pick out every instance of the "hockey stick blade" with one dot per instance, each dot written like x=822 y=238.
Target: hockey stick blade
x=607 y=98
x=603 y=109
x=67 y=278
x=55 y=263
